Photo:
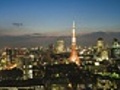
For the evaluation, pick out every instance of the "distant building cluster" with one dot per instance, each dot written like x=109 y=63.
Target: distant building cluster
x=60 y=67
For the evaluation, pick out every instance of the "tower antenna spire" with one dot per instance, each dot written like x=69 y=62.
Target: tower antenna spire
x=73 y=24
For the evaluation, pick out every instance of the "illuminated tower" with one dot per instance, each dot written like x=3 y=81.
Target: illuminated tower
x=74 y=56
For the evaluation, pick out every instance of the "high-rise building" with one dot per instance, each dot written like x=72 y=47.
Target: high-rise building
x=100 y=45
x=74 y=55
x=59 y=47
x=115 y=50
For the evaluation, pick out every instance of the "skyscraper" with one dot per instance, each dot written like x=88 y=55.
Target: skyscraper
x=59 y=47
x=74 y=55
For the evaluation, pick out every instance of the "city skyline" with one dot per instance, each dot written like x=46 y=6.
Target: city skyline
x=20 y=17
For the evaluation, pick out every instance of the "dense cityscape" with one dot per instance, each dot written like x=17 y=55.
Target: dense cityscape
x=59 y=44
x=60 y=67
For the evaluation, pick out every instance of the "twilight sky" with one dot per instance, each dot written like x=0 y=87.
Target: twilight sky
x=19 y=17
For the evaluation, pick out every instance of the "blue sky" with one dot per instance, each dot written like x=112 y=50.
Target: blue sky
x=56 y=16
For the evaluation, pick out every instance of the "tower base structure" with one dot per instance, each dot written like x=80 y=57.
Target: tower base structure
x=74 y=56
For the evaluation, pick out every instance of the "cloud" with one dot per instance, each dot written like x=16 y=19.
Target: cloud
x=12 y=31
x=17 y=24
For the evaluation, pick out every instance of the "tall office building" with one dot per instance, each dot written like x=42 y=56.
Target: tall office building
x=115 y=50
x=100 y=45
x=60 y=47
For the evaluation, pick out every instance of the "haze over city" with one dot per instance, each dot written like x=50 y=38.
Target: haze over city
x=55 y=17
